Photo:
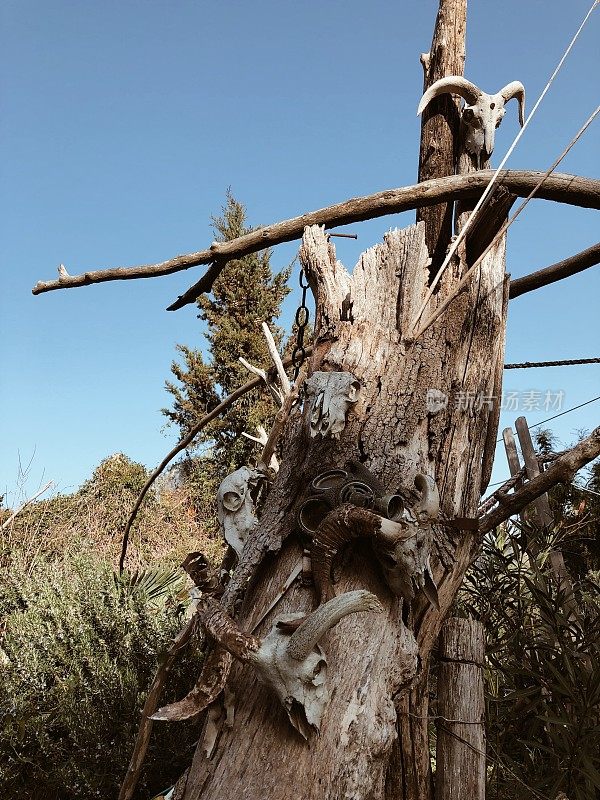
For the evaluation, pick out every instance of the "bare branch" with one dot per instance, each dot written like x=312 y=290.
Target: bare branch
x=279 y=423
x=562 y=470
x=274 y=391
x=556 y=272
x=276 y=358
x=182 y=444
x=7 y=522
x=143 y=736
x=562 y=188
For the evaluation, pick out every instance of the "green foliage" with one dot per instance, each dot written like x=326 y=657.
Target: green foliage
x=244 y=295
x=543 y=678
x=166 y=528
x=77 y=653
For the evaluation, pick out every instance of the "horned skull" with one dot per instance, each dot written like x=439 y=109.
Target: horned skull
x=406 y=561
x=329 y=396
x=235 y=506
x=402 y=545
x=481 y=114
x=293 y=666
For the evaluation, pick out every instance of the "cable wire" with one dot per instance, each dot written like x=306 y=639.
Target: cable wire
x=571 y=362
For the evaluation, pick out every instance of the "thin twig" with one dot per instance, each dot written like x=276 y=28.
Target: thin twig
x=7 y=522
x=223 y=406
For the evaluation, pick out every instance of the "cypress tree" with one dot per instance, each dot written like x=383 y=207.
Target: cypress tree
x=244 y=295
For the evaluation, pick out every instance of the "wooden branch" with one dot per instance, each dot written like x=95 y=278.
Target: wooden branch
x=276 y=359
x=142 y=740
x=29 y=500
x=562 y=470
x=556 y=272
x=562 y=188
x=279 y=423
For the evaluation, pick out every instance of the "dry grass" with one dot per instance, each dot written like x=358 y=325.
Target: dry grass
x=166 y=530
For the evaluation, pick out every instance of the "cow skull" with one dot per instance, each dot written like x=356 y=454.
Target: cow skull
x=482 y=112
x=329 y=396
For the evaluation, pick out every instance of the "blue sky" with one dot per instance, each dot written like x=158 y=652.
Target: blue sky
x=123 y=123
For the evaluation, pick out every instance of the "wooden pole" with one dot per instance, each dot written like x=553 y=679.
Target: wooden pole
x=438 y=155
x=512 y=457
x=545 y=518
x=460 y=755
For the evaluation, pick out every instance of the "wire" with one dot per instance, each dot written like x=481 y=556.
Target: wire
x=567 y=363
x=556 y=416
x=438 y=312
x=486 y=193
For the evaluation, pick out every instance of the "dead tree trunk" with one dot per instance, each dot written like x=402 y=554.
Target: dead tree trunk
x=370 y=746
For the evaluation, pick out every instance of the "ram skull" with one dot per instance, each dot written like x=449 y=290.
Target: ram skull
x=293 y=666
x=481 y=114
x=402 y=545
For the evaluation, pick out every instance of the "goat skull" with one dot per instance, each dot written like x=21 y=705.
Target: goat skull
x=482 y=112
x=294 y=667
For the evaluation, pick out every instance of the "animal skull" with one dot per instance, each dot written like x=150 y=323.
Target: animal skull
x=235 y=506
x=293 y=666
x=402 y=545
x=482 y=112
x=330 y=395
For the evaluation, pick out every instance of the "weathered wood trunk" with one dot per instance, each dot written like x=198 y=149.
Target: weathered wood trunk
x=460 y=753
x=370 y=747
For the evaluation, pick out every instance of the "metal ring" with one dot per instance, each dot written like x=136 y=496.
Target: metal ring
x=330 y=479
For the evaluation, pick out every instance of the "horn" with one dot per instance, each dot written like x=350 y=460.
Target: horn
x=224 y=630
x=515 y=89
x=453 y=84
x=429 y=502
x=341 y=525
x=316 y=625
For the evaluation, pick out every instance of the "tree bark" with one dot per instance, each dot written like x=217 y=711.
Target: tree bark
x=440 y=123
x=372 y=745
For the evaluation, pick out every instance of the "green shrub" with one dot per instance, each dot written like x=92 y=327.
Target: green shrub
x=543 y=671
x=77 y=653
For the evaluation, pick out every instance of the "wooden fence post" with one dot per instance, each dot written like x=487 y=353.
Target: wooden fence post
x=460 y=756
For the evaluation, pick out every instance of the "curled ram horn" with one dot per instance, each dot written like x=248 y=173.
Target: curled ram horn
x=482 y=112
x=293 y=667
x=342 y=525
x=402 y=545
x=325 y=617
